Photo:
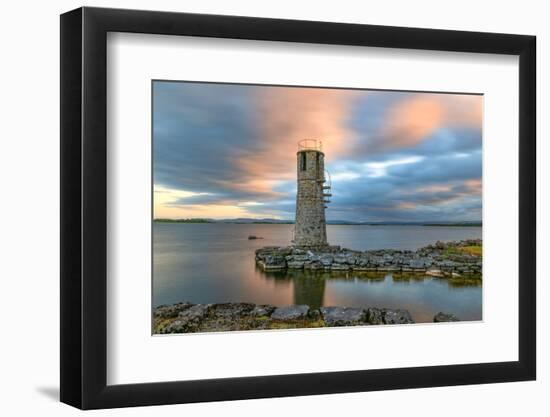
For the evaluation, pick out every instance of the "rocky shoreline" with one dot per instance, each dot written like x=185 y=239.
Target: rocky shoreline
x=442 y=259
x=194 y=318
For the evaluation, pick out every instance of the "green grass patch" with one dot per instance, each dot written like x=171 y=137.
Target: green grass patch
x=160 y=324
x=461 y=250
x=473 y=250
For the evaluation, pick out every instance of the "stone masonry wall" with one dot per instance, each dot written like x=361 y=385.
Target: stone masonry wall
x=310 y=224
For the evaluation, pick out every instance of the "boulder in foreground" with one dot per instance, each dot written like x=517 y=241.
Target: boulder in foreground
x=445 y=317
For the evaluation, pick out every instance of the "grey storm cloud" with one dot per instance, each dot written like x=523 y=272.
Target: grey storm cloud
x=198 y=129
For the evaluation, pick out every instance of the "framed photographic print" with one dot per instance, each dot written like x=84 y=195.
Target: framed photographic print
x=258 y=207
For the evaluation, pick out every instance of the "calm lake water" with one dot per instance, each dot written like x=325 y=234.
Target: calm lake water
x=214 y=263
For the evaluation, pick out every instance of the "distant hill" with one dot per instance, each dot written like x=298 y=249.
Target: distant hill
x=418 y=223
x=256 y=221
x=333 y=222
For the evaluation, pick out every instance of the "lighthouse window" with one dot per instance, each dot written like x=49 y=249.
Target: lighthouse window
x=303 y=161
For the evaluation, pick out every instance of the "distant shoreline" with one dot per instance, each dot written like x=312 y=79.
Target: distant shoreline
x=339 y=223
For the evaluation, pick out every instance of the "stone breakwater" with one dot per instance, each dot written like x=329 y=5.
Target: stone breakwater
x=193 y=318
x=442 y=259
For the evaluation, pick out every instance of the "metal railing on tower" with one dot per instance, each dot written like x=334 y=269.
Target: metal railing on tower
x=310 y=144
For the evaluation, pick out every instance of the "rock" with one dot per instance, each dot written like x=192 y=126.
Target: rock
x=273 y=262
x=339 y=259
x=313 y=258
x=445 y=317
x=434 y=272
x=188 y=320
x=177 y=326
x=417 y=263
x=313 y=265
x=314 y=314
x=455 y=275
x=437 y=259
x=231 y=310
x=198 y=311
x=343 y=316
x=293 y=312
x=297 y=258
x=374 y=316
x=171 y=311
x=252 y=237
x=326 y=260
x=362 y=262
x=267 y=250
x=388 y=258
x=262 y=253
x=398 y=316
x=262 y=310
x=339 y=267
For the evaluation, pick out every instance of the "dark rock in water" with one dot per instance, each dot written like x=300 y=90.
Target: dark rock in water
x=339 y=259
x=396 y=317
x=295 y=264
x=273 y=251
x=326 y=260
x=252 y=237
x=374 y=316
x=171 y=311
x=417 y=263
x=262 y=310
x=274 y=262
x=343 y=316
x=445 y=317
x=298 y=258
x=445 y=257
x=314 y=314
x=293 y=312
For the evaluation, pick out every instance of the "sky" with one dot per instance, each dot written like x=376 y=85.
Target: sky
x=226 y=151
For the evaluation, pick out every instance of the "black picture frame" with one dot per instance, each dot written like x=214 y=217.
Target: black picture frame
x=84 y=207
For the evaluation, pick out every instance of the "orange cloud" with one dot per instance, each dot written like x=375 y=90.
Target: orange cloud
x=286 y=116
x=437 y=188
x=413 y=120
x=473 y=186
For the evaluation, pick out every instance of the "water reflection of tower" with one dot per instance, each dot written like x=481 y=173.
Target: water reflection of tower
x=309 y=289
x=311 y=196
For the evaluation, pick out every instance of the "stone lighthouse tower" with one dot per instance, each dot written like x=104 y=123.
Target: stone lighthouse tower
x=312 y=195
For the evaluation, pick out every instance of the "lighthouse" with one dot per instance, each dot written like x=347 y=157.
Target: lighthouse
x=313 y=193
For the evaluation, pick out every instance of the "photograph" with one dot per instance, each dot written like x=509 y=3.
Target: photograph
x=292 y=207
x=280 y=205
